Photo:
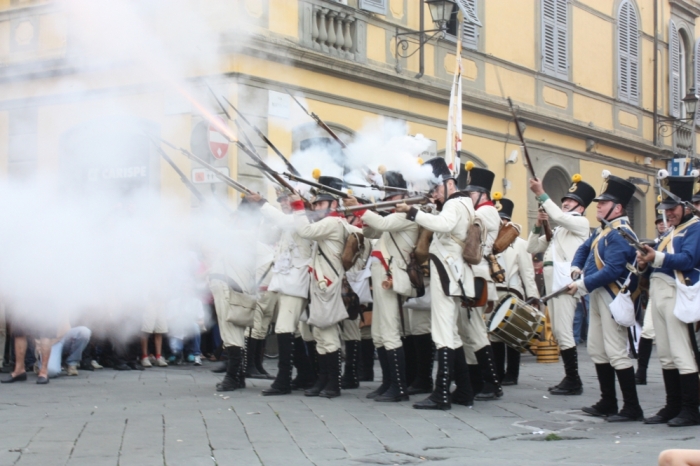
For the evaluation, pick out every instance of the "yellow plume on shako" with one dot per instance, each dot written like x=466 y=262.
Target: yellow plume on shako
x=576 y=178
x=316 y=173
x=420 y=161
x=469 y=165
x=381 y=169
x=497 y=196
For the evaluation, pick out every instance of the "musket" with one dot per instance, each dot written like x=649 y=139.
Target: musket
x=545 y=224
x=319 y=122
x=262 y=136
x=385 y=188
x=687 y=204
x=546 y=298
x=627 y=237
x=422 y=200
x=226 y=179
x=183 y=177
x=323 y=187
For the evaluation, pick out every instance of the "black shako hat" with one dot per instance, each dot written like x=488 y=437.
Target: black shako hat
x=440 y=168
x=681 y=186
x=580 y=191
x=659 y=213
x=504 y=206
x=475 y=179
x=394 y=179
x=615 y=189
x=331 y=182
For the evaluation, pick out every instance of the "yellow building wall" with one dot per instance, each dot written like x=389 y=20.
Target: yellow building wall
x=510 y=31
x=592 y=52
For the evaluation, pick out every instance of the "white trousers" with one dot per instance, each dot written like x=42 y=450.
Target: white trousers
x=648 y=324
x=231 y=335
x=562 y=310
x=327 y=339
x=351 y=330
x=386 y=317
x=264 y=314
x=473 y=331
x=289 y=309
x=607 y=341
x=672 y=338
x=418 y=322
x=444 y=314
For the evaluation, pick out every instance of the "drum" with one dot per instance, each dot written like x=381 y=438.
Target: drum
x=516 y=323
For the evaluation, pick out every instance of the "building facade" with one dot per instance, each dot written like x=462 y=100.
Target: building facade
x=598 y=84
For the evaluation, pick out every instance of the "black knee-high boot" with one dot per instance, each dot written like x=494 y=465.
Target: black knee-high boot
x=283 y=382
x=351 y=377
x=409 y=350
x=674 y=397
x=631 y=410
x=332 y=388
x=491 y=389
x=440 y=397
x=643 y=356
x=367 y=359
x=512 y=367
x=689 y=415
x=499 y=359
x=571 y=385
x=322 y=379
x=306 y=376
x=463 y=394
x=232 y=379
x=607 y=405
x=386 y=379
x=424 y=354
x=397 y=374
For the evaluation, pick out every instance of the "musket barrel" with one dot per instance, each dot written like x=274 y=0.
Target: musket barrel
x=384 y=204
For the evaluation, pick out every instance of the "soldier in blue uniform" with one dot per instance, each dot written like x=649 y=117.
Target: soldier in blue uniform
x=599 y=268
x=674 y=262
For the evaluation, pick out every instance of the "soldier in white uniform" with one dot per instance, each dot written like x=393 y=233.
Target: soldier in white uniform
x=290 y=281
x=396 y=240
x=477 y=183
x=232 y=284
x=570 y=230
x=451 y=281
x=516 y=262
x=326 y=308
x=675 y=262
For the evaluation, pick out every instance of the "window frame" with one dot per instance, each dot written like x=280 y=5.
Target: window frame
x=625 y=72
x=557 y=68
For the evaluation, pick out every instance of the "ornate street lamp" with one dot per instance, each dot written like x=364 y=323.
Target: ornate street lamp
x=440 y=12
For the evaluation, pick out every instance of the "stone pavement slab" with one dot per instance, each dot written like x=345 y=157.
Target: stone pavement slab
x=173 y=416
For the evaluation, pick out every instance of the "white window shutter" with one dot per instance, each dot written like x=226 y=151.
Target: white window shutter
x=555 y=41
x=562 y=40
x=674 y=71
x=696 y=58
x=375 y=6
x=628 y=54
x=470 y=37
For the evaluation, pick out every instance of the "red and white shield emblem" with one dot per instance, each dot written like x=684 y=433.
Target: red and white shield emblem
x=218 y=143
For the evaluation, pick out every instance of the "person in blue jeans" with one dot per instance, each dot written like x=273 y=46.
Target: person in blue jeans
x=191 y=345
x=70 y=346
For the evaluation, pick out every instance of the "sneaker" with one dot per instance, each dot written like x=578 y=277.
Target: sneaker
x=152 y=359
x=197 y=361
x=145 y=362
x=161 y=362
x=190 y=358
x=71 y=370
x=96 y=365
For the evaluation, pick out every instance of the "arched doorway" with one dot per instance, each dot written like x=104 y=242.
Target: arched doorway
x=556 y=183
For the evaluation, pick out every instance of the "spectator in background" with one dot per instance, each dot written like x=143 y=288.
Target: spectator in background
x=71 y=343
x=22 y=327
x=185 y=322
x=154 y=322
x=581 y=320
x=679 y=458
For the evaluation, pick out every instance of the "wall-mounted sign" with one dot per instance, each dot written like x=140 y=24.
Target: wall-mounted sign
x=218 y=142
x=203 y=175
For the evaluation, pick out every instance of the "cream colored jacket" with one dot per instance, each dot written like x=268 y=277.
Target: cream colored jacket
x=570 y=232
x=520 y=273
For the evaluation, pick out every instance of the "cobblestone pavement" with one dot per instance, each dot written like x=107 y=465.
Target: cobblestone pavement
x=173 y=416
